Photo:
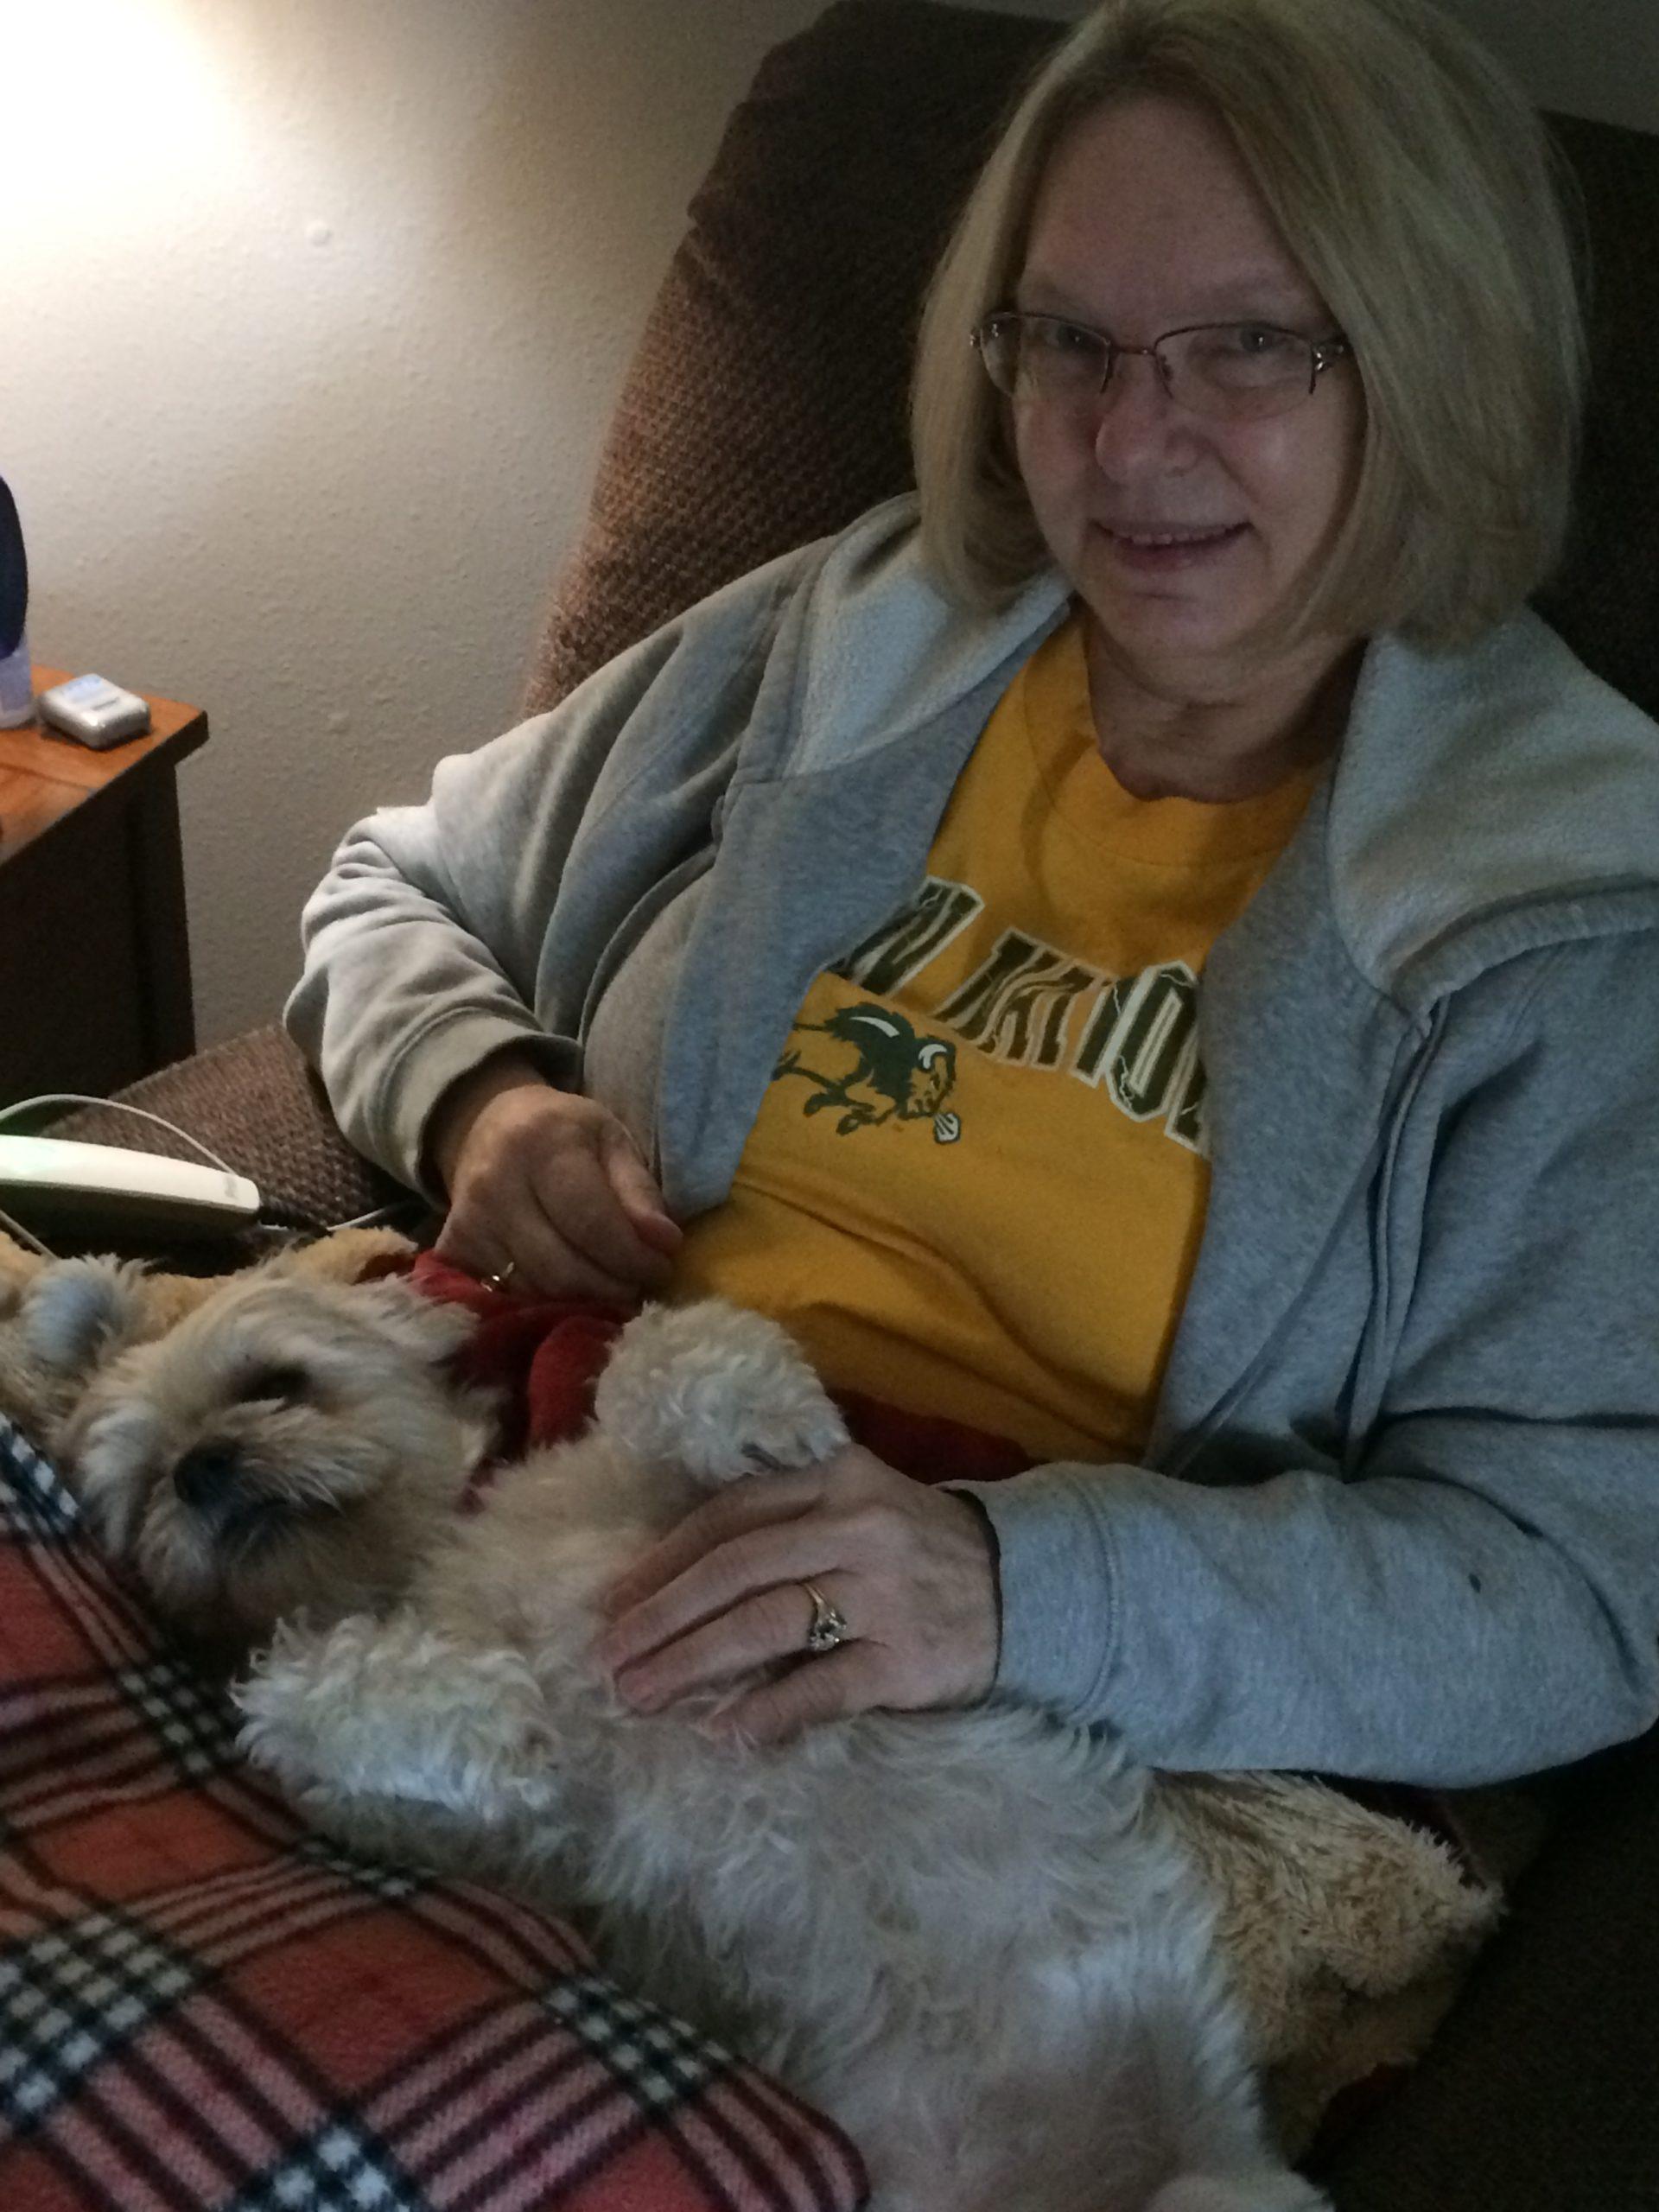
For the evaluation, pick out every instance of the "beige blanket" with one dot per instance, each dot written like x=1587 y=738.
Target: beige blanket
x=1349 y=1930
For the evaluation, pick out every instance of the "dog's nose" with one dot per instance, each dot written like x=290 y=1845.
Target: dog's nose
x=204 y=1478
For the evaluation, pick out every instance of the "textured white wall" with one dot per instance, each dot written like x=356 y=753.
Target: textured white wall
x=303 y=375
x=305 y=370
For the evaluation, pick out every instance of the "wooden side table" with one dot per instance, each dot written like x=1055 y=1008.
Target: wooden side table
x=94 y=955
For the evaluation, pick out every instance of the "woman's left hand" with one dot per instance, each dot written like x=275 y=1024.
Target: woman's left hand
x=910 y=1569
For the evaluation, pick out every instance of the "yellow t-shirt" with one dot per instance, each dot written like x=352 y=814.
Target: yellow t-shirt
x=977 y=1182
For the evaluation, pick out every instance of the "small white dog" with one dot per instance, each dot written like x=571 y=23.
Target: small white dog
x=970 y=1935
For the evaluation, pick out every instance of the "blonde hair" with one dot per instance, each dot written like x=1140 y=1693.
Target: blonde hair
x=1423 y=199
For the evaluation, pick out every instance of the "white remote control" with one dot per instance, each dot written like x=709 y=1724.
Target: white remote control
x=101 y=1185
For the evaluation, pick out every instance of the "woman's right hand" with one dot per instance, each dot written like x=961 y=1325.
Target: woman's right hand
x=548 y=1182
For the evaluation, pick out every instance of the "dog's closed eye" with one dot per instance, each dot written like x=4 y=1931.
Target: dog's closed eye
x=283 y=1386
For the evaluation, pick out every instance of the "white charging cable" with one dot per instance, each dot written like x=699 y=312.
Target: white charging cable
x=115 y=1106
x=24 y=1235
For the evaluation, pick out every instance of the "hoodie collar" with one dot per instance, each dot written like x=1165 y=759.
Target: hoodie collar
x=1474 y=792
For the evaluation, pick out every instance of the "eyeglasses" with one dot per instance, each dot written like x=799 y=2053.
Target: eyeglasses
x=1237 y=372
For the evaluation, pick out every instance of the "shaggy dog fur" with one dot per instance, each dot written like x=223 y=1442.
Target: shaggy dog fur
x=970 y=1935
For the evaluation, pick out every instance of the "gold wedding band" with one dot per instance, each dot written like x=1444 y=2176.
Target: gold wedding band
x=827 y=1628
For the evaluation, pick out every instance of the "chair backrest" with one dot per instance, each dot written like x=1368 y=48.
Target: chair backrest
x=765 y=404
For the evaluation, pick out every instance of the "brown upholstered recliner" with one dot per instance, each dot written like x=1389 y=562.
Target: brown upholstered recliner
x=766 y=406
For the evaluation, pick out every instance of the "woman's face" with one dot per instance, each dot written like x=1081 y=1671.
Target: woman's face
x=1147 y=222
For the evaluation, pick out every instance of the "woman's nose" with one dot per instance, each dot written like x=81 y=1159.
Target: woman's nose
x=1136 y=423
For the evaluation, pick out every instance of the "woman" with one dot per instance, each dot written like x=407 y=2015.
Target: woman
x=1153 y=953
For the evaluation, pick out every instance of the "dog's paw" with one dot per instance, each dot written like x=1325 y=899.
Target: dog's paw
x=716 y=1392
x=292 y=1702
x=396 y=1709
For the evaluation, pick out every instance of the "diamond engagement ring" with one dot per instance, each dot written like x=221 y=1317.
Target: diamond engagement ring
x=502 y=1276
x=827 y=1628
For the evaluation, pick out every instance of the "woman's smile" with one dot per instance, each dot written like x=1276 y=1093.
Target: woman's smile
x=1168 y=552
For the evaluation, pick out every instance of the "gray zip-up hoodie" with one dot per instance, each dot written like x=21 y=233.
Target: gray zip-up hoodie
x=1398 y=1514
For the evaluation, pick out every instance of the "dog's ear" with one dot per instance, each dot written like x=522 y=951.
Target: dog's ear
x=76 y=1312
x=429 y=1328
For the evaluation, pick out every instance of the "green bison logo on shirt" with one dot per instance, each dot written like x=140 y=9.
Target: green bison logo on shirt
x=888 y=1072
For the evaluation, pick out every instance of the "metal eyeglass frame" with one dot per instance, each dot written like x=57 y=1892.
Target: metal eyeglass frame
x=1322 y=351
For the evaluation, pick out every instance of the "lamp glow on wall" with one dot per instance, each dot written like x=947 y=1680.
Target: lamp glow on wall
x=113 y=106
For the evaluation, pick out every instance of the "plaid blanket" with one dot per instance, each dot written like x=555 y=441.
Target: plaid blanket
x=203 y=2006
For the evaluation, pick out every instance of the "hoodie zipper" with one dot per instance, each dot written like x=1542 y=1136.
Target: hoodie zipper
x=1185 y=1448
